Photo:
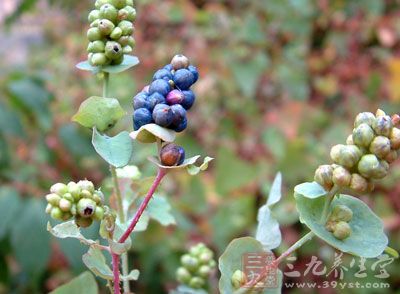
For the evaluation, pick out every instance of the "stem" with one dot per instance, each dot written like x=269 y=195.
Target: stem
x=125 y=269
x=115 y=265
x=120 y=207
x=160 y=175
x=328 y=200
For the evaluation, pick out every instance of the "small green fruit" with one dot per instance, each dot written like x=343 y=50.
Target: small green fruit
x=74 y=189
x=342 y=230
x=65 y=205
x=94 y=34
x=49 y=207
x=94 y=15
x=368 y=165
x=341 y=213
x=95 y=24
x=391 y=157
x=118 y=3
x=113 y=50
x=100 y=3
x=106 y=27
x=131 y=13
x=53 y=199
x=109 y=12
x=83 y=222
x=116 y=33
x=204 y=271
x=238 y=279
x=98 y=197
x=119 y=60
x=358 y=183
x=363 y=135
x=341 y=177
x=196 y=283
x=56 y=213
x=127 y=49
x=383 y=125
x=59 y=189
x=323 y=176
x=68 y=196
x=191 y=263
x=380 y=146
x=205 y=257
x=126 y=27
x=86 y=194
x=129 y=2
x=183 y=275
x=364 y=117
x=123 y=14
x=86 y=207
x=86 y=185
x=99 y=213
x=395 y=138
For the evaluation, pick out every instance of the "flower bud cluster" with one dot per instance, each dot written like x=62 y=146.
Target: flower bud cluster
x=110 y=31
x=196 y=266
x=338 y=222
x=365 y=157
x=79 y=200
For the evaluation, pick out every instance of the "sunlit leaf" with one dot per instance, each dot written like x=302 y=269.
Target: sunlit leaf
x=129 y=61
x=151 y=132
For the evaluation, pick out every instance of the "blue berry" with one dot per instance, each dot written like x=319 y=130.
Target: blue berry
x=174 y=97
x=162 y=115
x=179 y=113
x=168 y=67
x=183 y=79
x=160 y=86
x=181 y=126
x=141 y=117
x=154 y=99
x=188 y=99
x=141 y=101
x=195 y=72
x=162 y=74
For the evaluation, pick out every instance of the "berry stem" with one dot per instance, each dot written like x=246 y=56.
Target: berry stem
x=115 y=266
x=160 y=175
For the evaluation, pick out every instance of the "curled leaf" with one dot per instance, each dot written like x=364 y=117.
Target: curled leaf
x=150 y=132
x=132 y=276
x=120 y=248
x=69 y=230
x=96 y=262
x=189 y=164
x=310 y=190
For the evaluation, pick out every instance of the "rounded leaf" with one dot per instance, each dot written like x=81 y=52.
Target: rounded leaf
x=150 y=132
x=129 y=61
x=310 y=190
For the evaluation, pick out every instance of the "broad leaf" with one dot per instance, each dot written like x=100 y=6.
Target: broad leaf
x=96 y=262
x=99 y=112
x=85 y=283
x=151 y=132
x=129 y=61
x=160 y=210
x=69 y=230
x=310 y=190
x=10 y=204
x=367 y=238
x=117 y=150
x=268 y=231
x=275 y=194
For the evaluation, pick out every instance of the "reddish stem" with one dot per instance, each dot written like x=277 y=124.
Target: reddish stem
x=115 y=265
x=160 y=174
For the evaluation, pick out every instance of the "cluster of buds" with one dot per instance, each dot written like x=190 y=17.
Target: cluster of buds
x=79 y=200
x=338 y=222
x=110 y=31
x=196 y=266
x=369 y=150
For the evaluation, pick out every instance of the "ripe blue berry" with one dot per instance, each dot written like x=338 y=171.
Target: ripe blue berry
x=162 y=74
x=188 y=99
x=162 y=115
x=172 y=155
x=195 y=72
x=179 y=113
x=181 y=126
x=154 y=99
x=174 y=97
x=168 y=67
x=160 y=86
x=183 y=79
x=141 y=117
x=141 y=101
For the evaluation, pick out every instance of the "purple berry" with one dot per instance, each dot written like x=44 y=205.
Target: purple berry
x=154 y=99
x=141 y=117
x=174 y=97
x=162 y=74
x=162 y=115
x=183 y=79
x=195 y=72
x=181 y=126
x=179 y=113
x=172 y=155
x=188 y=99
x=160 y=86
x=141 y=101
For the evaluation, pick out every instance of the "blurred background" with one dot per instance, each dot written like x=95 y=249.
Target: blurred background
x=281 y=82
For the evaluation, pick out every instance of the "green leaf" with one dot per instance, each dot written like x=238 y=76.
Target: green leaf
x=151 y=132
x=183 y=289
x=69 y=230
x=85 y=283
x=188 y=163
x=29 y=239
x=96 y=262
x=129 y=61
x=120 y=248
x=117 y=150
x=99 y=112
x=310 y=190
x=160 y=210
x=275 y=194
x=132 y=276
x=10 y=204
x=75 y=140
x=268 y=232
x=10 y=123
x=194 y=170
x=367 y=238
x=392 y=252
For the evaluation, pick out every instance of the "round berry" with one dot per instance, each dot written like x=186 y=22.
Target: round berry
x=173 y=155
x=83 y=221
x=174 y=97
x=146 y=89
x=179 y=114
x=93 y=15
x=168 y=67
x=109 y=12
x=160 y=86
x=141 y=101
x=188 y=99
x=195 y=72
x=183 y=79
x=162 y=115
x=154 y=99
x=113 y=50
x=141 y=117
x=179 y=61
x=94 y=34
x=181 y=126
x=126 y=27
x=106 y=27
x=163 y=74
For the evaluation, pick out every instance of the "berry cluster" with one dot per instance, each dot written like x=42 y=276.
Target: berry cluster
x=196 y=266
x=366 y=156
x=168 y=97
x=110 y=31
x=172 y=155
x=79 y=200
x=338 y=222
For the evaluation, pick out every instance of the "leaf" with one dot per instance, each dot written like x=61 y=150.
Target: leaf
x=160 y=210
x=10 y=204
x=117 y=150
x=194 y=170
x=183 y=289
x=10 y=124
x=392 y=252
x=96 y=262
x=69 y=230
x=150 y=132
x=99 y=112
x=120 y=248
x=188 y=163
x=129 y=172
x=367 y=238
x=132 y=276
x=75 y=140
x=310 y=190
x=275 y=194
x=85 y=283
x=268 y=232
x=129 y=61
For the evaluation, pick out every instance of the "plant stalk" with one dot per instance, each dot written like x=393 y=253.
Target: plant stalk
x=328 y=199
x=115 y=266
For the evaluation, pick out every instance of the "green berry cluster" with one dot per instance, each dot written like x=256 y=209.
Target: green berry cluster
x=79 y=200
x=110 y=31
x=196 y=266
x=338 y=222
x=369 y=150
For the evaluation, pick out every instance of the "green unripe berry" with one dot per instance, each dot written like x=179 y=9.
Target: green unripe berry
x=345 y=155
x=56 y=213
x=126 y=27
x=123 y=14
x=191 y=263
x=131 y=13
x=395 y=138
x=86 y=185
x=116 y=33
x=59 y=189
x=196 y=283
x=179 y=61
x=342 y=230
x=99 y=213
x=370 y=167
x=98 y=197
x=118 y=3
x=86 y=207
x=113 y=50
x=109 y=12
x=341 y=213
x=183 y=275
x=238 y=279
x=49 y=207
x=73 y=209
x=341 y=177
x=68 y=196
x=65 y=205
x=383 y=125
x=129 y=2
x=74 y=189
x=100 y=3
x=204 y=271
x=83 y=222
x=380 y=146
x=94 y=15
x=363 y=135
x=391 y=157
x=95 y=23
x=66 y=216
x=106 y=27
x=86 y=194
x=96 y=47
x=127 y=49
x=323 y=176
x=205 y=257
x=53 y=199
x=364 y=118
x=196 y=250
x=212 y=263
x=358 y=183
x=94 y=34
x=379 y=113
x=125 y=40
x=119 y=60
